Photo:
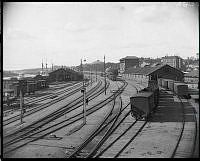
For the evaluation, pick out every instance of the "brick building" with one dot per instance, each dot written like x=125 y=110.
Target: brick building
x=127 y=62
x=174 y=61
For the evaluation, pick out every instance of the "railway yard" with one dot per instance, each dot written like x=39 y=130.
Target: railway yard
x=53 y=124
x=100 y=80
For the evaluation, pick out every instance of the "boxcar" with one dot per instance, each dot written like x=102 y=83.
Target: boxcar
x=153 y=87
x=181 y=89
x=142 y=105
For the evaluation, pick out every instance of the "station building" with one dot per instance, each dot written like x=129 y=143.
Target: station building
x=144 y=74
x=127 y=62
x=64 y=74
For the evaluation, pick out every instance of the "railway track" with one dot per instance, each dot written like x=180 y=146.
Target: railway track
x=24 y=134
x=111 y=126
x=42 y=106
x=56 y=91
x=178 y=148
x=61 y=109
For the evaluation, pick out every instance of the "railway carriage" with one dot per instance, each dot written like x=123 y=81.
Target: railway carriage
x=181 y=89
x=142 y=104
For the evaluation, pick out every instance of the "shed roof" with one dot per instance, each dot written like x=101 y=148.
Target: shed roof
x=64 y=70
x=146 y=70
x=194 y=73
x=142 y=70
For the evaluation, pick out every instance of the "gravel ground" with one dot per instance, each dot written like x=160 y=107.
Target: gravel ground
x=45 y=148
x=157 y=140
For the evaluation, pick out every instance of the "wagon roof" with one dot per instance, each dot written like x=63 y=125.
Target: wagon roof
x=142 y=94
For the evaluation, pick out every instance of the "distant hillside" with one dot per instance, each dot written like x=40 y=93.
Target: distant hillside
x=9 y=74
x=98 y=66
x=34 y=71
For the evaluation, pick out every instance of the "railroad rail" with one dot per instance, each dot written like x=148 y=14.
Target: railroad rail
x=25 y=134
x=42 y=106
x=177 y=147
x=112 y=125
x=55 y=92
x=110 y=118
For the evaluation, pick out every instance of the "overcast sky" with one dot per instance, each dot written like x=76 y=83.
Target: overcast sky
x=63 y=33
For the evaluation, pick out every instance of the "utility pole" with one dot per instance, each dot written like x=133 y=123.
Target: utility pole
x=42 y=66
x=96 y=72
x=46 y=66
x=105 y=74
x=91 y=75
x=84 y=96
x=21 y=100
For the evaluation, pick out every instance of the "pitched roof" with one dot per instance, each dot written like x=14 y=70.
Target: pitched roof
x=64 y=70
x=129 y=57
x=194 y=73
x=142 y=70
x=146 y=70
x=171 y=57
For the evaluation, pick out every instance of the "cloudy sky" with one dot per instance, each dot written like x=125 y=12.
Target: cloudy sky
x=63 y=33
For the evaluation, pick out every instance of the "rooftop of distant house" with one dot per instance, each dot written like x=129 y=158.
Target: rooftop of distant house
x=194 y=73
x=171 y=57
x=129 y=57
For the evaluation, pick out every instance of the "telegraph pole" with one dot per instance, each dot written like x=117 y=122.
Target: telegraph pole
x=96 y=72
x=46 y=66
x=42 y=66
x=105 y=74
x=21 y=100
x=21 y=106
x=91 y=75
x=84 y=96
